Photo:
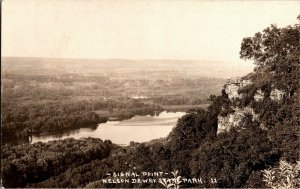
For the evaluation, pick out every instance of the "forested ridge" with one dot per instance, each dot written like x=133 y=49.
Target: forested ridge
x=242 y=157
x=25 y=120
x=32 y=163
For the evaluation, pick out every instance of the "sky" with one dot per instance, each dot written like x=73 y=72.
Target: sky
x=144 y=29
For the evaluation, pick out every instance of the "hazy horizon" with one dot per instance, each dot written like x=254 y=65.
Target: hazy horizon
x=182 y=68
x=184 y=30
x=118 y=58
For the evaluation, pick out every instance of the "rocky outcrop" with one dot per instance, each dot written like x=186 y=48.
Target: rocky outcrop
x=278 y=95
x=235 y=119
x=225 y=123
x=259 y=95
x=232 y=87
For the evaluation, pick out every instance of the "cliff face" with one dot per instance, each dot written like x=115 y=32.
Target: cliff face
x=278 y=95
x=225 y=123
x=235 y=119
x=232 y=87
x=259 y=95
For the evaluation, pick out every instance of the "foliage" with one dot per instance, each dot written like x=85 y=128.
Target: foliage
x=276 y=50
x=233 y=156
x=286 y=175
x=25 y=164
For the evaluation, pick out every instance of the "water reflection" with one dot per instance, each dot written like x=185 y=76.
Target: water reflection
x=138 y=129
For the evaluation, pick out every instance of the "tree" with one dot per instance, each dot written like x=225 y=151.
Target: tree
x=276 y=50
x=271 y=46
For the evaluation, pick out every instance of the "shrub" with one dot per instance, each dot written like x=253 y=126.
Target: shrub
x=284 y=176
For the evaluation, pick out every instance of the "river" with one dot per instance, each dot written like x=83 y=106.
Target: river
x=137 y=129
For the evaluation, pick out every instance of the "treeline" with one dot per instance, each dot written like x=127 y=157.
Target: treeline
x=20 y=121
x=178 y=100
x=25 y=120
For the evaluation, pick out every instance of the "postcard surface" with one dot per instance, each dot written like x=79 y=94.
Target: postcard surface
x=150 y=94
